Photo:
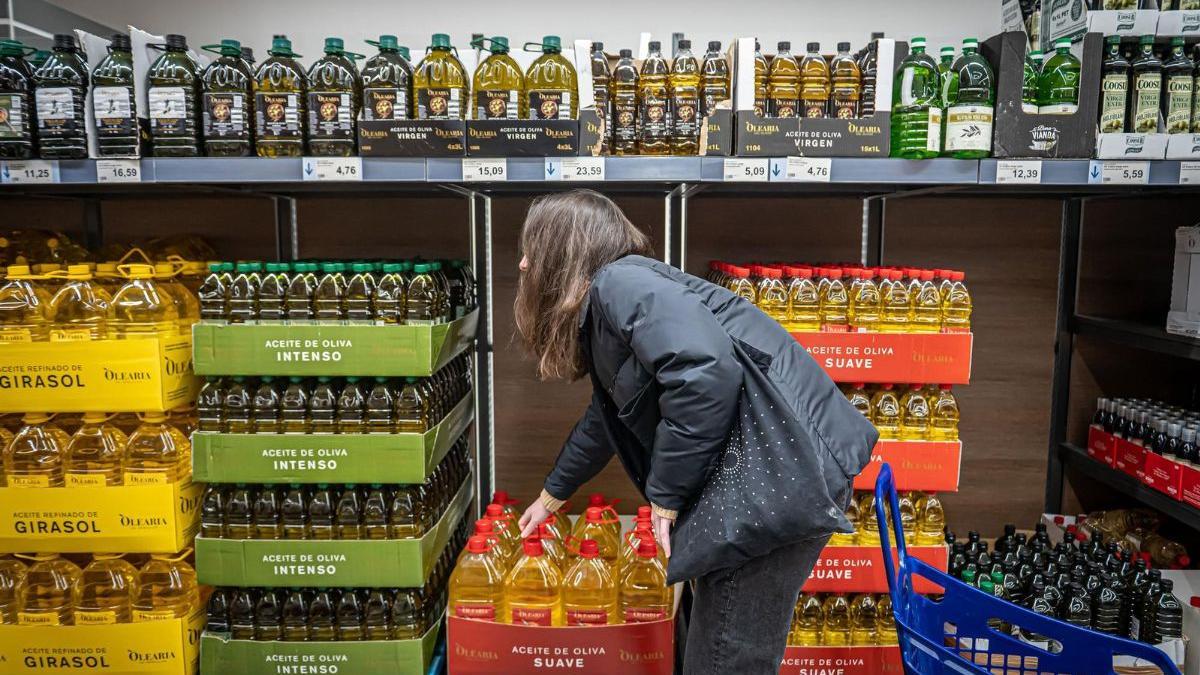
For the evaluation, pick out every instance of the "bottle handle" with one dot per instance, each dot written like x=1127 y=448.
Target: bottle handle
x=354 y=55
x=160 y=47
x=540 y=46
x=478 y=44
x=215 y=49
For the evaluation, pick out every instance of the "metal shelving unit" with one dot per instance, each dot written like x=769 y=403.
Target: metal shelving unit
x=1078 y=459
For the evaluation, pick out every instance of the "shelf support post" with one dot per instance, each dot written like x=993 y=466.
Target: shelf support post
x=1064 y=344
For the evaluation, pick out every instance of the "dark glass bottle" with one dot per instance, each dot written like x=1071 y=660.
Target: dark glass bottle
x=869 y=65
x=1114 y=93
x=1147 y=89
x=334 y=97
x=228 y=94
x=279 y=97
x=113 y=107
x=173 y=94
x=60 y=89
x=386 y=82
x=16 y=101
x=1177 y=89
x=600 y=90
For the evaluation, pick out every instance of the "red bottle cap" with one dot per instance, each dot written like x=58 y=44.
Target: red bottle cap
x=594 y=514
x=946 y=386
x=771 y=273
x=835 y=273
x=868 y=273
x=643 y=526
x=484 y=526
x=1183 y=562
x=926 y=275
x=740 y=272
x=958 y=276
x=859 y=385
x=501 y=497
x=644 y=512
x=495 y=511
x=478 y=544
x=589 y=548
x=544 y=532
x=887 y=386
x=533 y=547
x=647 y=548
x=596 y=499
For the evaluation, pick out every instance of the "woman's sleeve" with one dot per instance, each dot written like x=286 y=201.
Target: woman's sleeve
x=584 y=454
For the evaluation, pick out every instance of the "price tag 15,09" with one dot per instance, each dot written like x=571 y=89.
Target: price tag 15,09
x=29 y=171
x=1019 y=172
x=484 y=169
x=746 y=169
x=118 y=171
x=333 y=168
x=812 y=169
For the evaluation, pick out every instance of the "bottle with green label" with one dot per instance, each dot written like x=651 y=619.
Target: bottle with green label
x=970 y=104
x=1114 y=88
x=113 y=109
x=334 y=97
x=684 y=84
x=624 y=85
x=173 y=92
x=440 y=83
x=1058 y=83
x=1196 y=89
x=1178 y=82
x=228 y=94
x=551 y=84
x=279 y=96
x=916 y=111
x=387 y=82
x=498 y=84
x=16 y=101
x=1029 y=82
x=60 y=88
x=1147 y=89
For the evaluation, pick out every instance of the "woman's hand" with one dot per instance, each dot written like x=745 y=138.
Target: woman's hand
x=533 y=516
x=662 y=532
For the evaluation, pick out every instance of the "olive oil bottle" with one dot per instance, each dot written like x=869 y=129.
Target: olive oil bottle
x=814 y=82
x=760 y=81
x=60 y=88
x=1177 y=89
x=551 y=84
x=228 y=91
x=387 y=82
x=783 y=83
x=714 y=79
x=113 y=108
x=16 y=101
x=624 y=85
x=334 y=97
x=440 y=83
x=173 y=90
x=1114 y=88
x=280 y=88
x=846 y=78
x=601 y=93
x=653 y=119
x=498 y=85
x=684 y=83
x=1147 y=88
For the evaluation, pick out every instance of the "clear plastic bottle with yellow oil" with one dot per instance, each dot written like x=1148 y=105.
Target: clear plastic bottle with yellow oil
x=45 y=597
x=835 y=303
x=804 y=303
x=187 y=306
x=926 y=304
x=477 y=583
x=956 y=305
x=895 y=314
x=625 y=108
x=931 y=520
x=34 y=458
x=783 y=83
x=885 y=622
x=944 y=415
x=865 y=302
x=142 y=308
x=740 y=284
x=167 y=588
x=814 y=83
x=644 y=595
x=79 y=309
x=858 y=397
x=761 y=69
x=915 y=415
x=554 y=547
x=157 y=453
x=908 y=516
x=654 y=113
x=846 y=100
x=280 y=89
x=835 y=627
x=440 y=83
x=772 y=295
x=714 y=78
x=533 y=588
x=499 y=85
x=684 y=85
x=551 y=84
x=886 y=412
x=589 y=590
x=93 y=456
x=806 y=621
x=863 y=620
x=596 y=528
x=855 y=517
x=105 y=591
x=23 y=307
x=12 y=579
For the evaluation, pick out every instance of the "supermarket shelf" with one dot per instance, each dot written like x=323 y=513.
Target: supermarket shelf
x=1085 y=172
x=1137 y=335
x=1075 y=456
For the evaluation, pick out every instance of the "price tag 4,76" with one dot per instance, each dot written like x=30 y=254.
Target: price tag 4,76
x=746 y=169
x=484 y=169
x=812 y=169
x=333 y=168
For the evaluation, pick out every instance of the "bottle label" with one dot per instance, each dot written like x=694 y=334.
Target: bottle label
x=156 y=478
x=1179 y=104
x=933 y=135
x=652 y=114
x=644 y=614
x=70 y=334
x=330 y=115
x=550 y=105
x=600 y=94
x=15 y=335
x=168 y=111
x=760 y=102
x=1147 y=92
x=783 y=106
x=1195 y=104
x=625 y=111
x=58 y=111
x=531 y=616
x=38 y=619
x=28 y=480
x=85 y=480
x=277 y=115
x=969 y=127
x=87 y=618
x=1114 y=91
x=845 y=105
x=385 y=104
x=477 y=611
x=814 y=108
x=587 y=617
x=12 y=116
x=713 y=94
x=439 y=103
x=496 y=104
x=113 y=109
x=153 y=615
x=685 y=117
x=225 y=116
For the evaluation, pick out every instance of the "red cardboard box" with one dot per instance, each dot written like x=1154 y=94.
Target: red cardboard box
x=859 y=569
x=841 y=661
x=1102 y=446
x=485 y=648
x=1163 y=474
x=1130 y=457
x=1189 y=486
x=931 y=466
x=940 y=358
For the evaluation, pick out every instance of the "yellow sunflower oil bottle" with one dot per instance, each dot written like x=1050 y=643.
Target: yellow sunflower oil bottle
x=943 y=418
x=34 y=458
x=477 y=584
x=93 y=456
x=885 y=622
x=387 y=82
x=835 y=303
x=440 y=83
x=187 y=306
x=533 y=589
x=142 y=308
x=78 y=310
x=589 y=591
x=804 y=303
x=654 y=119
x=806 y=621
x=551 y=83
x=105 y=592
x=895 y=314
x=684 y=83
x=863 y=617
x=45 y=597
x=772 y=295
x=157 y=453
x=280 y=89
x=915 y=415
x=783 y=83
x=886 y=412
x=926 y=304
x=12 y=580
x=334 y=98
x=644 y=595
x=931 y=520
x=815 y=83
x=865 y=303
x=498 y=85
x=625 y=109
x=835 y=628
x=167 y=589
x=956 y=305
x=855 y=517
x=23 y=307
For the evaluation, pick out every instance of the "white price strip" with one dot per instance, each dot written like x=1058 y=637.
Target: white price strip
x=1121 y=173
x=29 y=171
x=1024 y=172
x=742 y=169
x=583 y=168
x=333 y=168
x=118 y=171
x=813 y=169
x=484 y=169
x=1189 y=173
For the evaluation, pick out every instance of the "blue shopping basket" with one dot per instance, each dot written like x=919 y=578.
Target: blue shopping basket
x=952 y=635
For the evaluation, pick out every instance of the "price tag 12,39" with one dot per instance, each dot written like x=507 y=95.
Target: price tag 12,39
x=746 y=169
x=29 y=171
x=583 y=168
x=1123 y=173
x=1022 y=172
x=484 y=169
x=333 y=168
x=118 y=171
x=812 y=169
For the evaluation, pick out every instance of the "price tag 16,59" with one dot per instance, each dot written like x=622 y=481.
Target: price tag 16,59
x=118 y=171
x=812 y=169
x=484 y=169
x=746 y=169
x=1022 y=172
x=29 y=171
x=333 y=168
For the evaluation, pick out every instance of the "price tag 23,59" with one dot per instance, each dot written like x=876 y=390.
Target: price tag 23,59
x=484 y=169
x=1120 y=173
x=333 y=168
x=746 y=169
x=29 y=171
x=583 y=168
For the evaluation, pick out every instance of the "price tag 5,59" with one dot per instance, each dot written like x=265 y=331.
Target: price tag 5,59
x=1022 y=172
x=484 y=169
x=746 y=169
x=118 y=171
x=333 y=168
x=29 y=171
x=1120 y=173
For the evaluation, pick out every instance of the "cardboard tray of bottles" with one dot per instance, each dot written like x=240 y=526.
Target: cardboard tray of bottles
x=327 y=458
x=943 y=358
x=382 y=563
x=535 y=138
x=1176 y=480
x=221 y=654
x=336 y=350
x=759 y=136
x=859 y=569
x=486 y=648
x=148 y=648
x=117 y=519
x=841 y=660
x=134 y=375
x=931 y=466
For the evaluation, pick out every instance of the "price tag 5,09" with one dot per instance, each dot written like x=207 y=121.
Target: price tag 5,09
x=1023 y=172
x=484 y=169
x=746 y=169
x=333 y=168
x=118 y=171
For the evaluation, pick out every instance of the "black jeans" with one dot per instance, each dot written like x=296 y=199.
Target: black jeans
x=740 y=617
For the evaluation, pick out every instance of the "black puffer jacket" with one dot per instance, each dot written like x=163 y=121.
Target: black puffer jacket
x=658 y=343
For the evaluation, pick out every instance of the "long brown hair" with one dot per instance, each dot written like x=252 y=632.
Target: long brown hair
x=567 y=238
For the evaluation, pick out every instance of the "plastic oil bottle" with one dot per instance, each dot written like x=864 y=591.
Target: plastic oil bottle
x=857 y=395
x=845 y=100
x=236 y=408
x=387 y=82
x=45 y=597
x=804 y=303
x=440 y=83
x=773 y=295
x=589 y=591
x=404 y=514
x=388 y=303
x=79 y=308
x=885 y=622
x=887 y=414
x=926 y=304
x=167 y=588
x=105 y=592
x=321 y=616
x=214 y=293
x=156 y=453
x=684 y=84
x=239 y=513
x=293 y=616
x=243 y=292
x=863 y=619
x=916 y=111
x=298 y=298
x=625 y=109
x=280 y=90
x=174 y=89
x=944 y=415
x=377 y=615
x=408 y=614
x=931 y=521
x=956 y=305
x=60 y=90
x=320 y=512
x=855 y=517
x=653 y=119
x=760 y=81
x=334 y=98
x=12 y=579
x=226 y=102
x=23 y=308
x=329 y=297
x=34 y=457
x=1058 y=83
x=293 y=512
x=865 y=303
x=644 y=595
x=212 y=511
x=293 y=407
x=499 y=85
x=186 y=305
x=322 y=407
x=815 y=83
x=16 y=100
x=869 y=66
x=268 y=611
x=423 y=298
x=914 y=415
x=551 y=83
x=114 y=112
x=835 y=303
x=93 y=455
x=533 y=589
x=895 y=311
x=806 y=621
x=142 y=308
x=783 y=83
x=351 y=408
x=714 y=79
x=241 y=614
x=1029 y=82
x=596 y=528
x=835 y=628
x=477 y=584
x=375 y=512
x=970 y=104
x=266 y=518
x=360 y=292
x=347 y=514
x=506 y=531
x=272 y=292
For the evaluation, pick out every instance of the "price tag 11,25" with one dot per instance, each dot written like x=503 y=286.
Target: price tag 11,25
x=333 y=168
x=118 y=171
x=746 y=169
x=484 y=169
x=811 y=169
x=1018 y=172
x=29 y=171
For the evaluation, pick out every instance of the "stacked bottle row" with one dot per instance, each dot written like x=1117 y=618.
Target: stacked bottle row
x=913 y=413
x=420 y=293
x=1161 y=428
x=1135 y=532
x=46 y=589
x=838 y=620
x=848 y=298
x=40 y=454
x=325 y=512
x=1139 y=84
x=334 y=614
x=1085 y=581
x=589 y=575
x=351 y=405
x=945 y=108
x=921 y=515
x=842 y=87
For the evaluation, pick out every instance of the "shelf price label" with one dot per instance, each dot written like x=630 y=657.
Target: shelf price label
x=1022 y=172
x=741 y=169
x=118 y=171
x=28 y=172
x=476 y=169
x=809 y=169
x=333 y=168
x=1119 y=173
x=576 y=169
x=1189 y=173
